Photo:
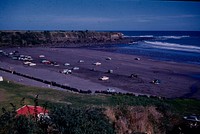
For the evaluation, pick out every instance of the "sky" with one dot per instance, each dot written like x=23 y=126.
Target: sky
x=116 y=15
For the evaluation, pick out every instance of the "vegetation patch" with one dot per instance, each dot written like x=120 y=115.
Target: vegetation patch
x=85 y=113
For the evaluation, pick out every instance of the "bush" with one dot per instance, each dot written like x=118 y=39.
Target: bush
x=81 y=121
x=12 y=124
x=62 y=120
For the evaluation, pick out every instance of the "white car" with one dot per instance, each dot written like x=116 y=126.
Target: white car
x=66 y=71
x=32 y=64
x=104 y=78
x=192 y=118
x=111 y=90
x=97 y=63
x=41 y=56
x=81 y=61
x=66 y=64
x=75 y=68
x=27 y=63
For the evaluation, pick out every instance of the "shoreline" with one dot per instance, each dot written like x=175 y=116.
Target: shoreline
x=175 y=77
x=124 y=49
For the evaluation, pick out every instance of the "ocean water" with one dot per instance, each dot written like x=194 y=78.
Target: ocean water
x=176 y=46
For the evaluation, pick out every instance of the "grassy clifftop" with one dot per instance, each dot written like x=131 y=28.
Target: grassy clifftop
x=44 y=38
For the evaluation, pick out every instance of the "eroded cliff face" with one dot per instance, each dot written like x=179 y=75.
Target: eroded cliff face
x=45 y=38
x=138 y=119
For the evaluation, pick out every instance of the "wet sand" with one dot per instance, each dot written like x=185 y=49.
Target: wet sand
x=176 y=78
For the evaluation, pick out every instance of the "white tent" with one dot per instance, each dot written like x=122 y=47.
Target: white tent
x=1 y=78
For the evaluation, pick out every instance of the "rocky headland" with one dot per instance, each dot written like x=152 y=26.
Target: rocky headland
x=62 y=38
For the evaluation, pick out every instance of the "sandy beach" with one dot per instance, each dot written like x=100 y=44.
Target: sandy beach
x=175 y=78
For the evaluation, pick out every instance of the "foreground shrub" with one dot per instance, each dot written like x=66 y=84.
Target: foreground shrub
x=63 y=120
x=81 y=121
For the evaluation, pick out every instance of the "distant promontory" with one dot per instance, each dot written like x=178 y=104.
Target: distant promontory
x=48 y=38
x=62 y=38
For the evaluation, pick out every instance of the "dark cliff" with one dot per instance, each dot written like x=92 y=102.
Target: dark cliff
x=48 y=38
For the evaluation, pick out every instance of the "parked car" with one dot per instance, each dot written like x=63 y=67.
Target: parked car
x=66 y=64
x=110 y=71
x=81 y=61
x=108 y=58
x=66 y=71
x=97 y=63
x=156 y=81
x=111 y=90
x=41 y=56
x=192 y=118
x=137 y=58
x=104 y=78
x=75 y=68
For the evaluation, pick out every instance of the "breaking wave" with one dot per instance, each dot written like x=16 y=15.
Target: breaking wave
x=174 y=37
x=161 y=37
x=148 y=36
x=173 y=46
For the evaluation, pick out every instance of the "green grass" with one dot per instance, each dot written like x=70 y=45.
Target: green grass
x=13 y=93
x=185 y=106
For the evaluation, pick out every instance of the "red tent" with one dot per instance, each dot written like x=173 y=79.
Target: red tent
x=31 y=110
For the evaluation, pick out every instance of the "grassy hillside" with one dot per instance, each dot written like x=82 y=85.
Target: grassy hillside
x=127 y=113
x=13 y=93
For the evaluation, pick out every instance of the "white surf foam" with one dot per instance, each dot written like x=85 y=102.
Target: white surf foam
x=148 y=36
x=174 y=37
x=173 y=46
